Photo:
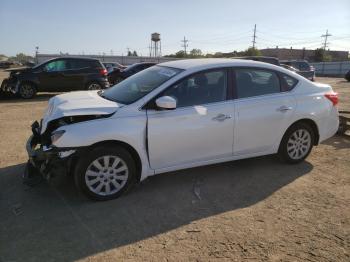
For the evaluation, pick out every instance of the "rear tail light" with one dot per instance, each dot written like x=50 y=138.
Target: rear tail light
x=103 y=72
x=333 y=97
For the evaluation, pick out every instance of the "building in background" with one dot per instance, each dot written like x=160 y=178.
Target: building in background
x=307 y=54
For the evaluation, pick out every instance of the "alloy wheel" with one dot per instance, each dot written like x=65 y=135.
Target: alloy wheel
x=94 y=86
x=299 y=144
x=106 y=175
x=26 y=91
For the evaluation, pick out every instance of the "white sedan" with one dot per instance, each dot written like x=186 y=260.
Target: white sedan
x=178 y=115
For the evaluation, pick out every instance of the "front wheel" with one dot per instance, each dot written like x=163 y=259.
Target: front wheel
x=26 y=90
x=105 y=173
x=297 y=143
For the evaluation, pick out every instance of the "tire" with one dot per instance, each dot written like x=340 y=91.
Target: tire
x=27 y=90
x=296 y=143
x=94 y=176
x=93 y=86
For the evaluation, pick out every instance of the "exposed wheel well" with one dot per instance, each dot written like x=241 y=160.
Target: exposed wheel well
x=129 y=148
x=312 y=124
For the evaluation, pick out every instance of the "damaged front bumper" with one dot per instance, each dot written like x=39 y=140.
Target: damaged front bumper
x=10 y=85
x=48 y=162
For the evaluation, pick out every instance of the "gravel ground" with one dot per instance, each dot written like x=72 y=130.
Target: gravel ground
x=250 y=210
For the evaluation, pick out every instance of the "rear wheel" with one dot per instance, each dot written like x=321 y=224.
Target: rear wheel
x=26 y=90
x=105 y=173
x=93 y=86
x=297 y=143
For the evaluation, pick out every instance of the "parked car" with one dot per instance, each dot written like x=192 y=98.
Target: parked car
x=5 y=64
x=347 y=76
x=111 y=66
x=178 y=115
x=290 y=68
x=56 y=75
x=303 y=66
x=117 y=76
x=265 y=59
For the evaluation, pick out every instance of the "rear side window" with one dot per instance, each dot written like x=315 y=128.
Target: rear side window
x=256 y=82
x=288 y=82
x=78 y=64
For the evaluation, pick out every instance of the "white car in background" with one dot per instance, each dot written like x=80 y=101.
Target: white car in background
x=178 y=115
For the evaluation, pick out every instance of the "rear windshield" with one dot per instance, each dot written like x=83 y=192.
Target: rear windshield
x=140 y=84
x=302 y=66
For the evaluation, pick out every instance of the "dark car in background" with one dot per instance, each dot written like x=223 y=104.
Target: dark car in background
x=347 y=76
x=303 y=67
x=57 y=75
x=111 y=66
x=265 y=59
x=290 y=68
x=117 y=76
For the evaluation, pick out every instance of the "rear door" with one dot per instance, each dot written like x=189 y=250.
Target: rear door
x=262 y=109
x=76 y=74
x=199 y=129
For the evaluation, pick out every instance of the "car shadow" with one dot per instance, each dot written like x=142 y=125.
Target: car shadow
x=43 y=222
x=15 y=99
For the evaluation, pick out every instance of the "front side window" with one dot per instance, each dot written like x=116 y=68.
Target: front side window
x=58 y=65
x=200 y=88
x=137 y=86
x=256 y=82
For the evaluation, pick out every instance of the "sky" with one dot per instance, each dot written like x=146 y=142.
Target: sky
x=113 y=26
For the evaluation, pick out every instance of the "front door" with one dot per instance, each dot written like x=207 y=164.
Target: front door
x=52 y=77
x=199 y=129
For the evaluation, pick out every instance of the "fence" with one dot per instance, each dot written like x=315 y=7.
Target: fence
x=331 y=68
x=124 y=60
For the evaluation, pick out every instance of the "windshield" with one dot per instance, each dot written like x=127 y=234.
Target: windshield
x=140 y=84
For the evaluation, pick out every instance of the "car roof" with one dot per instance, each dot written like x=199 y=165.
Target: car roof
x=203 y=63
x=75 y=58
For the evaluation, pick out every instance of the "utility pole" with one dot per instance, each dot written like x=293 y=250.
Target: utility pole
x=36 y=53
x=185 y=44
x=254 y=37
x=325 y=44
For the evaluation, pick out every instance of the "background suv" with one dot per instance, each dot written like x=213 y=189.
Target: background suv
x=57 y=75
x=303 y=66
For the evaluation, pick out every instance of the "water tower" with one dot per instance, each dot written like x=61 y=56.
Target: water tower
x=156 y=47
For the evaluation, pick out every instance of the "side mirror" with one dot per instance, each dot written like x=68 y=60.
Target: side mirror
x=166 y=102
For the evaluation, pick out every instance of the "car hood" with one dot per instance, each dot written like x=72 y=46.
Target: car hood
x=80 y=103
x=18 y=69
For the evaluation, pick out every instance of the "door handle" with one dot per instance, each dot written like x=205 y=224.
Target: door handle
x=221 y=117
x=284 y=108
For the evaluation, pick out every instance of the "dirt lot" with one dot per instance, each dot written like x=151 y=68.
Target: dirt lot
x=250 y=210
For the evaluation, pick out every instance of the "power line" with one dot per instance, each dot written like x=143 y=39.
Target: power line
x=325 y=44
x=185 y=44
